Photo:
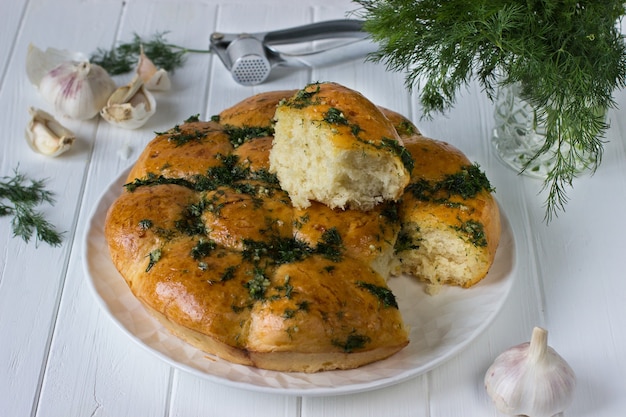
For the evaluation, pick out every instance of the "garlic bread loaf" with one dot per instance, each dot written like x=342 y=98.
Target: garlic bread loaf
x=266 y=236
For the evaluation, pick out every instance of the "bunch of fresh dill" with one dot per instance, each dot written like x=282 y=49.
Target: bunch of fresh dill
x=568 y=56
x=19 y=198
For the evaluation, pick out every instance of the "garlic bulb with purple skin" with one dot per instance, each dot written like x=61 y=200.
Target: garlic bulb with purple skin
x=531 y=379
x=67 y=80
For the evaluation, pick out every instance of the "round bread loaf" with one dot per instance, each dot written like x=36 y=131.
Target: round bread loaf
x=210 y=242
x=333 y=145
x=450 y=220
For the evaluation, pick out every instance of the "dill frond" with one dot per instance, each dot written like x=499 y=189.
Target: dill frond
x=19 y=200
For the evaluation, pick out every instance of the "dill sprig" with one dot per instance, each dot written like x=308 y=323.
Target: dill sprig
x=19 y=199
x=568 y=56
x=123 y=57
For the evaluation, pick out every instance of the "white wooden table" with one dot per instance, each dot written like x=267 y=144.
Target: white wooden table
x=60 y=355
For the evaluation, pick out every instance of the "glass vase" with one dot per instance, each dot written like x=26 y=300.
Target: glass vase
x=517 y=136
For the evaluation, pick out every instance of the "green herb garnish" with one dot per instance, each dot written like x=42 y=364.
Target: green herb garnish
x=353 y=342
x=123 y=57
x=331 y=245
x=384 y=294
x=240 y=135
x=467 y=183
x=567 y=56
x=401 y=151
x=475 y=232
x=335 y=116
x=203 y=249
x=19 y=199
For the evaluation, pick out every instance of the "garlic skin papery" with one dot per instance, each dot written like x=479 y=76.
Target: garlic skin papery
x=155 y=79
x=531 y=379
x=130 y=106
x=75 y=87
x=46 y=135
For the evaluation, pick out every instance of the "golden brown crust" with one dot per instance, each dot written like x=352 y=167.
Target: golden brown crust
x=403 y=125
x=183 y=151
x=255 y=111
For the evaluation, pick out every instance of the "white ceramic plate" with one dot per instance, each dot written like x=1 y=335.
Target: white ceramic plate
x=441 y=325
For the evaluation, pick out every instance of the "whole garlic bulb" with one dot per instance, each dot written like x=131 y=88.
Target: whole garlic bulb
x=46 y=135
x=75 y=87
x=531 y=379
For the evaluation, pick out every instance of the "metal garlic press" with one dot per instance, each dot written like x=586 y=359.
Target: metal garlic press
x=250 y=57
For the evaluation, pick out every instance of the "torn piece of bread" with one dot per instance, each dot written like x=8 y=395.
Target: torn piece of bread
x=332 y=145
x=450 y=220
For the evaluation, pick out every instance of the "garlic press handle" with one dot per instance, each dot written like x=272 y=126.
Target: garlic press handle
x=342 y=28
x=356 y=45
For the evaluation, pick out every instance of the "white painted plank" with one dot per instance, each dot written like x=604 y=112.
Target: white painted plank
x=31 y=277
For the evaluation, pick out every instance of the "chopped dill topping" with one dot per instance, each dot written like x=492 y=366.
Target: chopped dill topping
x=468 y=182
x=401 y=151
x=301 y=221
x=229 y=273
x=390 y=212
x=180 y=138
x=406 y=241
x=202 y=249
x=152 y=179
x=229 y=173
x=353 y=342
x=279 y=250
x=191 y=222
x=335 y=116
x=303 y=98
x=240 y=135
x=193 y=118
x=265 y=176
x=475 y=232
x=331 y=245
x=421 y=189
x=384 y=294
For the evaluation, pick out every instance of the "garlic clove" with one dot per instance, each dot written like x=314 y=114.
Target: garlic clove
x=531 y=379
x=46 y=135
x=67 y=80
x=154 y=79
x=130 y=106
